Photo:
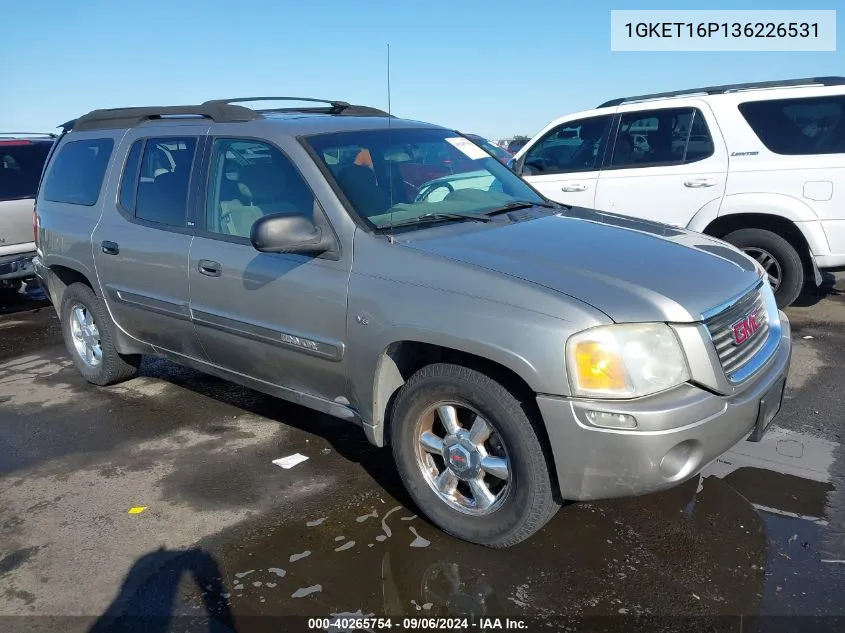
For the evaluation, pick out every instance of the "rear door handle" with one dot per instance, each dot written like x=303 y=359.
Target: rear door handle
x=110 y=248
x=697 y=183
x=573 y=187
x=210 y=268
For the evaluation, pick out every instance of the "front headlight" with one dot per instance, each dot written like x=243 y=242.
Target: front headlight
x=625 y=361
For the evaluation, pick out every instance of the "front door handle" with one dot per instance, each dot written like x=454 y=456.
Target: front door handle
x=573 y=187
x=697 y=183
x=110 y=248
x=210 y=268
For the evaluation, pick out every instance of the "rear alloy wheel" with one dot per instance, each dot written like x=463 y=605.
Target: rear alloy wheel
x=470 y=456
x=769 y=264
x=86 y=336
x=778 y=258
x=85 y=326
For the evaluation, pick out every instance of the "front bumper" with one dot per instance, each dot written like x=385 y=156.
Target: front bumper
x=17 y=267
x=680 y=432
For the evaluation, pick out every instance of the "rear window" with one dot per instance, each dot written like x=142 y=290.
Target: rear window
x=78 y=170
x=797 y=127
x=20 y=168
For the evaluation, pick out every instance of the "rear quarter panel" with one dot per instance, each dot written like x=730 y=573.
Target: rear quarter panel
x=65 y=229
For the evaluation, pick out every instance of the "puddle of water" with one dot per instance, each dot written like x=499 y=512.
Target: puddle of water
x=744 y=540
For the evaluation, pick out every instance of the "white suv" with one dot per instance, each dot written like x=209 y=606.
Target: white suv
x=761 y=166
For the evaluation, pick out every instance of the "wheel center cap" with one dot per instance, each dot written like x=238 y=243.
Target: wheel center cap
x=463 y=460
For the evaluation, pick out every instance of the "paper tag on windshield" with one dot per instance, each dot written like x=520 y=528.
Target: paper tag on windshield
x=467 y=147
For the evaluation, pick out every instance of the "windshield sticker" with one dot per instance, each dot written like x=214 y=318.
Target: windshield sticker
x=468 y=148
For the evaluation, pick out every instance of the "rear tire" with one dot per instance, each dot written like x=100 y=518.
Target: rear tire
x=86 y=328
x=777 y=256
x=515 y=497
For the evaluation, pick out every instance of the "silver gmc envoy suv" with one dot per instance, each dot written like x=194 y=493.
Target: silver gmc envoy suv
x=512 y=352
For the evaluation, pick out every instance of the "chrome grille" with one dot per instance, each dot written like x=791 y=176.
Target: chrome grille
x=720 y=326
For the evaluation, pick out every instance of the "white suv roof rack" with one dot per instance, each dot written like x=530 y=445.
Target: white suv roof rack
x=714 y=90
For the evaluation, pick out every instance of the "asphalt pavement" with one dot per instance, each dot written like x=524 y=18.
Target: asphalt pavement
x=221 y=535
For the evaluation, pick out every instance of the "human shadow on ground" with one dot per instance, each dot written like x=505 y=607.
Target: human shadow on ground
x=146 y=601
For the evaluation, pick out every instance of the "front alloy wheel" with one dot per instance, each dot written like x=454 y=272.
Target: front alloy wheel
x=470 y=455
x=462 y=458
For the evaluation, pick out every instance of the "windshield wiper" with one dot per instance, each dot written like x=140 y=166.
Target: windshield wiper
x=520 y=204
x=426 y=218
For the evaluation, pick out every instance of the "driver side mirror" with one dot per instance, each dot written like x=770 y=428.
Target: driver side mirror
x=514 y=165
x=282 y=233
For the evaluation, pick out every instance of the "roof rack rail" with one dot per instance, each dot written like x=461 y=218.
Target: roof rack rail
x=714 y=90
x=28 y=134
x=335 y=107
x=130 y=117
x=218 y=110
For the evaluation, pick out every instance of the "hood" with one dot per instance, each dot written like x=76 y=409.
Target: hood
x=632 y=270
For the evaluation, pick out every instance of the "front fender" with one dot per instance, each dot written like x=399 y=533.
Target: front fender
x=528 y=343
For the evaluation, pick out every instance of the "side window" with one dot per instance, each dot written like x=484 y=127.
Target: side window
x=160 y=185
x=21 y=163
x=699 y=142
x=659 y=138
x=248 y=180
x=129 y=179
x=571 y=147
x=798 y=127
x=78 y=171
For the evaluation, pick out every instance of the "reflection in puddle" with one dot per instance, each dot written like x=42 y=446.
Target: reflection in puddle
x=419 y=541
x=744 y=540
x=364 y=517
x=306 y=591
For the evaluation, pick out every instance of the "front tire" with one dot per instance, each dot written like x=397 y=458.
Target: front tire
x=87 y=335
x=470 y=456
x=780 y=259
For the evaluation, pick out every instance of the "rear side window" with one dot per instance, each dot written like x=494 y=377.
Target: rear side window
x=21 y=163
x=798 y=127
x=78 y=171
x=156 y=178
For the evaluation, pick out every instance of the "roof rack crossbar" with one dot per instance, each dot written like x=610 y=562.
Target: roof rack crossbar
x=130 y=117
x=336 y=106
x=713 y=90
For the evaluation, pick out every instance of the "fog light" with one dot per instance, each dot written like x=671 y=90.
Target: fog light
x=681 y=460
x=612 y=420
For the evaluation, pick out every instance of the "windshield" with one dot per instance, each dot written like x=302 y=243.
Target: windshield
x=397 y=175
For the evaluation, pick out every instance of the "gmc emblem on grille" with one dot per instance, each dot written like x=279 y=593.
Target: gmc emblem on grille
x=745 y=327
